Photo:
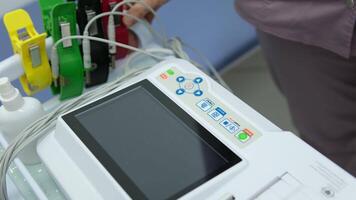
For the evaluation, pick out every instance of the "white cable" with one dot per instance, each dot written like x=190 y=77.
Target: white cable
x=145 y=23
x=111 y=34
x=46 y=123
x=211 y=67
x=126 y=65
x=54 y=55
x=177 y=46
x=149 y=8
x=111 y=29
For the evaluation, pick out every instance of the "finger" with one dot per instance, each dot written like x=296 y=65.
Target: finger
x=137 y=10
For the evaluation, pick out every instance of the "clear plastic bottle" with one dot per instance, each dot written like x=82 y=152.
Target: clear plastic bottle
x=16 y=114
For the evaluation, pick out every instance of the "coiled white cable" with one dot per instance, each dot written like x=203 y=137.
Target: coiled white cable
x=163 y=37
x=209 y=64
x=127 y=68
x=47 y=123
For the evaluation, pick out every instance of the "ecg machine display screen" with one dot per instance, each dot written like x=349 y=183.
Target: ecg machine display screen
x=151 y=146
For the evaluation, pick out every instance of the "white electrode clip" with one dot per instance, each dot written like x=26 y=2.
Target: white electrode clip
x=86 y=51
x=55 y=66
x=112 y=37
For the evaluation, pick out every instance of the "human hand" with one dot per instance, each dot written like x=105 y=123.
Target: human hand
x=140 y=11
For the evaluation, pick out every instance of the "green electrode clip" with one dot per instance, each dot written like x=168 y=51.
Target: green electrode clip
x=46 y=10
x=71 y=68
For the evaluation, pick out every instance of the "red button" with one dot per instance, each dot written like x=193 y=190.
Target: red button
x=164 y=76
x=249 y=133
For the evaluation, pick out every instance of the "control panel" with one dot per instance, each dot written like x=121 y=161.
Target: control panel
x=194 y=91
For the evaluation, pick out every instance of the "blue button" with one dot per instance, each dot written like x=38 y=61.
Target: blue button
x=230 y=126
x=233 y=128
x=215 y=115
x=180 y=79
x=198 y=93
x=180 y=91
x=221 y=111
x=205 y=104
x=198 y=80
x=225 y=123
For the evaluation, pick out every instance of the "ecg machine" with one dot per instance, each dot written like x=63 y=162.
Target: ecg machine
x=174 y=133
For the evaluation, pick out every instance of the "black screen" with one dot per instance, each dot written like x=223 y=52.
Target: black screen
x=153 y=148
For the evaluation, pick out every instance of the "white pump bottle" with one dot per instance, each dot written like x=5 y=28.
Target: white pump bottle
x=16 y=114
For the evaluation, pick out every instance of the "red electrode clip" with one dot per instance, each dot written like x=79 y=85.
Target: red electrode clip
x=122 y=32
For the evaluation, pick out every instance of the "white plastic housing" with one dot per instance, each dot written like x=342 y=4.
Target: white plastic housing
x=277 y=164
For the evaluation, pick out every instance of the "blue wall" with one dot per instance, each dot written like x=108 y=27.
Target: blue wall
x=212 y=26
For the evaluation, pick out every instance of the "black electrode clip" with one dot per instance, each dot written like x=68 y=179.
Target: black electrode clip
x=87 y=9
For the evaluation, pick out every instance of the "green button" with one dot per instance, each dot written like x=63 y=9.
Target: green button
x=170 y=72
x=243 y=136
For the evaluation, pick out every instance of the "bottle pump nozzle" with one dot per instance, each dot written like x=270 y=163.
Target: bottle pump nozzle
x=9 y=95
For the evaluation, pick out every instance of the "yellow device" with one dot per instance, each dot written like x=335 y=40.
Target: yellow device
x=32 y=49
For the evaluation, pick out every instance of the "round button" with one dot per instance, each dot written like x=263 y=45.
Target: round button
x=189 y=86
x=180 y=91
x=180 y=79
x=243 y=136
x=198 y=80
x=198 y=93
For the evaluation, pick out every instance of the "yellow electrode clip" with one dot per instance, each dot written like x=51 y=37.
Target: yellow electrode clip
x=32 y=49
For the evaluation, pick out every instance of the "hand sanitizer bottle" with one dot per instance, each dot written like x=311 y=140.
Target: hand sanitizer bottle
x=16 y=114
